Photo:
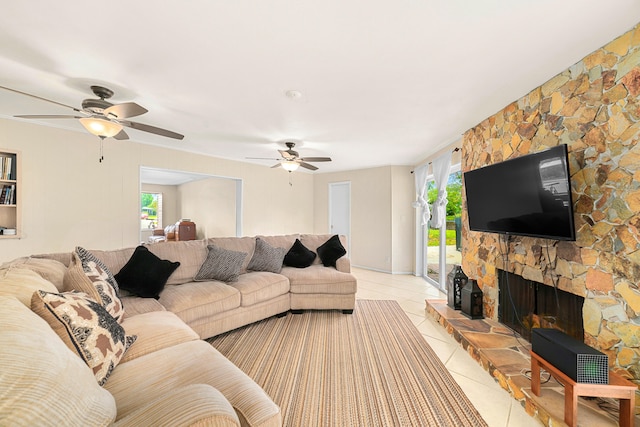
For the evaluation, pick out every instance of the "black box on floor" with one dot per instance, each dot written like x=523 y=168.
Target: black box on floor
x=581 y=363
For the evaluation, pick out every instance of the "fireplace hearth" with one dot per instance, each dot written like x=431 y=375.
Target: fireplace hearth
x=524 y=304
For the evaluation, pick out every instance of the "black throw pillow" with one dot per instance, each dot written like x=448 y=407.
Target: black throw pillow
x=330 y=251
x=299 y=256
x=145 y=274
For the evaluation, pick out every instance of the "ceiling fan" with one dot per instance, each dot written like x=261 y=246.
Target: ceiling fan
x=291 y=160
x=101 y=117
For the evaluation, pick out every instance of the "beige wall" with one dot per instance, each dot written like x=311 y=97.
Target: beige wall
x=379 y=196
x=70 y=199
x=402 y=220
x=211 y=204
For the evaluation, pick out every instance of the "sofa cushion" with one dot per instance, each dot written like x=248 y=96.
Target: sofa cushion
x=145 y=274
x=193 y=362
x=63 y=257
x=48 y=269
x=197 y=300
x=266 y=257
x=318 y=279
x=155 y=331
x=138 y=305
x=190 y=405
x=42 y=382
x=280 y=241
x=189 y=253
x=114 y=259
x=91 y=279
x=299 y=256
x=330 y=251
x=86 y=327
x=221 y=264
x=22 y=283
x=259 y=286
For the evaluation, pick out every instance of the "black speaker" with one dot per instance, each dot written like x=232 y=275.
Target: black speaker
x=578 y=361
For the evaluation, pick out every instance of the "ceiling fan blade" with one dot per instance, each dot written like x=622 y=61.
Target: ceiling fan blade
x=277 y=165
x=261 y=158
x=151 y=129
x=48 y=116
x=316 y=159
x=122 y=135
x=307 y=166
x=40 y=98
x=125 y=110
x=287 y=155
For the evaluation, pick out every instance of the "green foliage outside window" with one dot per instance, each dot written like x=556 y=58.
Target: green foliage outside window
x=454 y=195
x=454 y=207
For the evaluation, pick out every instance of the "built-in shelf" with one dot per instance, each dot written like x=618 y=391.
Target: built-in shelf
x=10 y=194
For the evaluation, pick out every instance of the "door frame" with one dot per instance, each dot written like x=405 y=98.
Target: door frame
x=420 y=239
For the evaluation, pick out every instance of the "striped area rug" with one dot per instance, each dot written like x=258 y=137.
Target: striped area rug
x=370 y=368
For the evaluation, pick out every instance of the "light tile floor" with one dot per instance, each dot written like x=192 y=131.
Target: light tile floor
x=495 y=404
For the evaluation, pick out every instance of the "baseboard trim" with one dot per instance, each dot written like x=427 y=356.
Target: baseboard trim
x=382 y=271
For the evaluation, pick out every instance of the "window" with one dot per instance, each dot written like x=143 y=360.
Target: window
x=150 y=211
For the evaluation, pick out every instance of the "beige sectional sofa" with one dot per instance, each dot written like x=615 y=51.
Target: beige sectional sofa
x=168 y=375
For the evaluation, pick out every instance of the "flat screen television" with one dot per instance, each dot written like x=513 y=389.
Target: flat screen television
x=525 y=196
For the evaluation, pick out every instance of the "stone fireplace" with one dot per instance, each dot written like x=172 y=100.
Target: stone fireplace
x=594 y=108
x=524 y=304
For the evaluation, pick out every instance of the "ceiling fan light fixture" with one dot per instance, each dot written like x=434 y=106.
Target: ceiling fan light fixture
x=289 y=165
x=101 y=127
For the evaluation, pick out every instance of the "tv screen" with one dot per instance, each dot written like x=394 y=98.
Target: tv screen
x=526 y=196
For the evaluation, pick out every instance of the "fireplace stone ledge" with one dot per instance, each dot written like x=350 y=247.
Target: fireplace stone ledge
x=505 y=356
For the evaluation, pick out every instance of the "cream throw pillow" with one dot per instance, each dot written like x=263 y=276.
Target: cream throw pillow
x=42 y=382
x=22 y=283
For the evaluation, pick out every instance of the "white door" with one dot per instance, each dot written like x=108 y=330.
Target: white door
x=340 y=210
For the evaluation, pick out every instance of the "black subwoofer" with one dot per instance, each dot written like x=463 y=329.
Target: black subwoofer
x=581 y=363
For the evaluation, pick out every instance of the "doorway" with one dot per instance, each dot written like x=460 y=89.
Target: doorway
x=340 y=210
x=213 y=203
x=441 y=249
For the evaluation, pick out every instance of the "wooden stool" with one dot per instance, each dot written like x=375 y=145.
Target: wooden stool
x=618 y=388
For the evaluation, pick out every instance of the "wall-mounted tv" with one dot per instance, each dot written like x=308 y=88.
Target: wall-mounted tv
x=526 y=196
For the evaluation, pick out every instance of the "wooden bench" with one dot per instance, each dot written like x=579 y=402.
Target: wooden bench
x=618 y=388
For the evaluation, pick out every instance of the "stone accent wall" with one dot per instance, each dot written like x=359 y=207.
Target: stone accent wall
x=594 y=108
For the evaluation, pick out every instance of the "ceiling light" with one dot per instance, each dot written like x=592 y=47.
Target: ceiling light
x=289 y=165
x=293 y=94
x=101 y=127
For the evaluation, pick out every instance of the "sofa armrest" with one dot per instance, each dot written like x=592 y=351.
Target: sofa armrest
x=343 y=264
x=196 y=404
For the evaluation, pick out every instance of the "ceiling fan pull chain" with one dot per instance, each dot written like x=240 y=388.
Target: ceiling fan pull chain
x=290 y=183
x=101 y=150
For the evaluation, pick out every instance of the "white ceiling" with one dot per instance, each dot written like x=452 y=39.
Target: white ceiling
x=382 y=82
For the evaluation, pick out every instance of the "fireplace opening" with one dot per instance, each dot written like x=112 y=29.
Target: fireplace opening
x=524 y=304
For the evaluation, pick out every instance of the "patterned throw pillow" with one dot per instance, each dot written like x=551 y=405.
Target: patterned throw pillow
x=330 y=251
x=88 y=258
x=86 y=328
x=299 y=256
x=266 y=257
x=221 y=264
x=92 y=279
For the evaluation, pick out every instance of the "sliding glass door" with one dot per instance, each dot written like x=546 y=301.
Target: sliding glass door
x=441 y=249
